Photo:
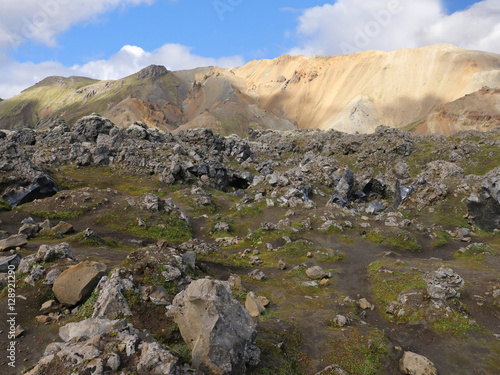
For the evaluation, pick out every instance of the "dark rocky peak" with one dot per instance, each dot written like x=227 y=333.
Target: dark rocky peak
x=152 y=71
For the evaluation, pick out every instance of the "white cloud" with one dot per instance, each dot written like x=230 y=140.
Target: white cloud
x=130 y=59
x=43 y=20
x=348 y=26
x=18 y=76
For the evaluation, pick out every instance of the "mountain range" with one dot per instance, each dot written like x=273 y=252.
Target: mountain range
x=440 y=89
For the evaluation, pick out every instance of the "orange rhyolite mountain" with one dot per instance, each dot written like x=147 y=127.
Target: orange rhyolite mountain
x=440 y=89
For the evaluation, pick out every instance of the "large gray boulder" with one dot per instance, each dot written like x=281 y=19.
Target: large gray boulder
x=77 y=283
x=416 y=364
x=217 y=328
x=484 y=204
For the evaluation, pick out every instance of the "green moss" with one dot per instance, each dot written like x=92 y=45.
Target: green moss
x=422 y=155
x=387 y=287
x=475 y=253
x=158 y=227
x=49 y=234
x=93 y=241
x=181 y=349
x=454 y=323
x=70 y=177
x=4 y=206
x=226 y=258
x=357 y=352
x=247 y=211
x=133 y=298
x=403 y=240
x=441 y=240
x=481 y=161
x=281 y=353
x=87 y=308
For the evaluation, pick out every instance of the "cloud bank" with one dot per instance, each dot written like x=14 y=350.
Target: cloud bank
x=348 y=26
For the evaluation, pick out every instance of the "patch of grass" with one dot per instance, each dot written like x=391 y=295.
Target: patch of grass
x=357 y=352
x=297 y=249
x=93 y=241
x=70 y=177
x=441 y=240
x=387 y=287
x=475 y=253
x=403 y=240
x=4 y=206
x=227 y=259
x=60 y=215
x=281 y=353
x=49 y=234
x=482 y=160
x=160 y=227
x=455 y=323
x=133 y=298
x=153 y=276
x=87 y=308
x=247 y=211
x=422 y=155
x=181 y=349
x=451 y=213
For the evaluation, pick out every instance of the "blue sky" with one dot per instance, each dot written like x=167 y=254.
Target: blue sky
x=108 y=39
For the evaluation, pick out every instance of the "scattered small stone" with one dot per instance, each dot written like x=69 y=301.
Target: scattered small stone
x=48 y=306
x=257 y=275
x=236 y=283
x=254 y=305
x=281 y=264
x=42 y=319
x=364 y=304
x=341 y=320
x=315 y=273
x=19 y=331
x=313 y=284
x=324 y=282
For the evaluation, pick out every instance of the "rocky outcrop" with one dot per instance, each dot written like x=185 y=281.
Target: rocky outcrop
x=484 y=204
x=111 y=303
x=48 y=253
x=217 y=329
x=77 y=283
x=443 y=283
x=22 y=181
x=102 y=346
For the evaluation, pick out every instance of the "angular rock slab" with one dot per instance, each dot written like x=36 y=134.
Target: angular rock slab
x=77 y=283
x=13 y=241
x=217 y=328
x=12 y=260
